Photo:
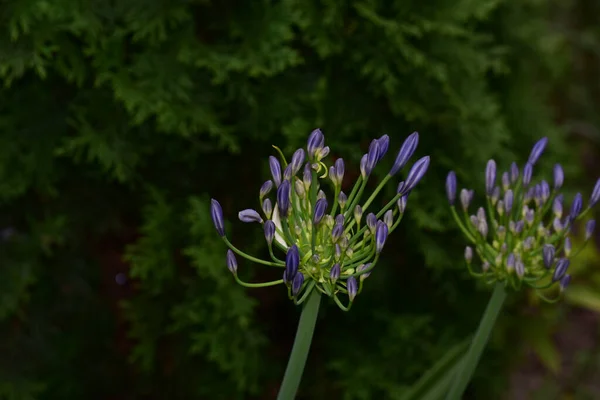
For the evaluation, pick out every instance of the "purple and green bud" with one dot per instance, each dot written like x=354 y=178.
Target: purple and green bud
x=299 y=188
x=561 y=269
x=267 y=208
x=334 y=274
x=537 y=151
x=266 y=188
x=514 y=172
x=510 y=262
x=564 y=282
x=388 y=218
x=269 y=229
x=381 y=235
x=320 y=208
x=307 y=176
x=297 y=161
x=416 y=173
x=342 y=200
x=283 y=198
x=520 y=268
x=548 y=252
x=505 y=181
x=216 y=213
x=352 y=287
x=339 y=170
x=589 y=228
x=595 y=197
x=372 y=222
x=576 y=207
x=402 y=204
x=451 y=187
x=372 y=157
x=297 y=283
x=361 y=268
x=275 y=167
x=466 y=196
x=292 y=261
x=468 y=254
x=508 y=200
x=384 y=144
x=231 y=262
x=358 y=212
x=316 y=141
x=406 y=151
x=250 y=215
x=527 y=173
x=337 y=232
x=557 y=206
x=490 y=177
x=559 y=176
x=363 y=166
x=567 y=247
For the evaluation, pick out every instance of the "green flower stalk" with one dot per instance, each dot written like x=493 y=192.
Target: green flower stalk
x=329 y=241
x=521 y=238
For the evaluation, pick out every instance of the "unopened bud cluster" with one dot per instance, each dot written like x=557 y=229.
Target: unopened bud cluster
x=330 y=240
x=522 y=234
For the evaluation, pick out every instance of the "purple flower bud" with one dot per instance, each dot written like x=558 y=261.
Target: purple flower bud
x=529 y=216
x=275 y=170
x=564 y=282
x=339 y=219
x=334 y=274
x=265 y=189
x=544 y=191
x=372 y=157
x=561 y=269
x=320 y=208
x=249 y=215
x=557 y=206
x=267 y=208
x=372 y=222
x=548 y=252
x=361 y=268
x=505 y=181
x=465 y=198
x=527 y=173
x=406 y=151
x=388 y=218
x=339 y=170
x=567 y=246
x=451 y=187
x=468 y=254
x=559 y=176
x=269 y=228
x=307 y=176
x=322 y=153
x=342 y=199
x=287 y=172
x=589 y=228
x=520 y=268
x=297 y=283
x=402 y=203
x=216 y=213
x=519 y=226
x=316 y=141
x=576 y=206
x=510 y=262
x=400 y=187
x=595 y=194
x=358 y=212
x=292 y=260
x=338 y=252
x=508 y=200
x=384 y=143
x=482 y=227
x=297 y=160
x=231 y=262
x=416 y=173
x=495 y=195
x=283 y=198
x=363 y=166
x=537 y=150
x=557 y=225
x=286 y=280
x=528 y=243
x=380 y=236
x=337 y=232
x=352 y=287
x=490 y=176
x=299 y=188
x=514 y=172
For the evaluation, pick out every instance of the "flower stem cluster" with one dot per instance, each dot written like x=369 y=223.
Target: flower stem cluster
x=521 y=235
x=331 y=243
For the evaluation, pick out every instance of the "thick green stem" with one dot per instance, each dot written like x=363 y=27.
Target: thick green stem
x=304 y=334
x=463 y=377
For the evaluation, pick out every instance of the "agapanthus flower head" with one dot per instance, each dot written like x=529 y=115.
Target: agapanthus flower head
x=331 y=241
x=520 y=234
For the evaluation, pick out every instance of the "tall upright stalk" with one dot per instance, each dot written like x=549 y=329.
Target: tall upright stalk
x=464 y=374
x=304 y=334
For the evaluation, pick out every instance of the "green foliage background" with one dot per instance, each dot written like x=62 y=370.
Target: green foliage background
x=118 y=122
